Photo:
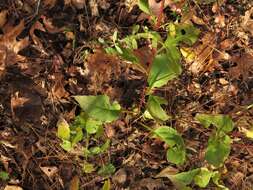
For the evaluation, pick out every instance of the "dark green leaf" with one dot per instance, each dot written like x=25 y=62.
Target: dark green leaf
x=106 y=170
x=155 y=109
x=185 y=178
x=216 y=178
x=144 y=6
x=92 y=126
x=176 y=155
x=203 y=177
x=99 y=107
x=169 y=135
x=4 y=175
x=95 y=150
x=222 y=122
x=162 y=70
x=218 y=150
x=176 y=151
x=78 y=136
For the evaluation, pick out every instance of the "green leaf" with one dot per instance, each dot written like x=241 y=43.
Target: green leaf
x=63 y=130
x=187 y=33
x=98 y=150
x=218 y=150
x=80 y=121
x=105 y=146
x=4 y=175
x=107 y=185
x=176 y=155
x=144 y=6
x=222 y=122
x=99 y=107
x=155 y=109
x=66 y=145
x=169 y=135
x=106 y=170
x=119 y=50
x=184 y=178
x=88 y=168
x=115 y=36
x=181 y=33
x=203 y=177
x=95 y=150
x=216 y=178
x=92 y=126
x=162 y=70
x=176 y=151
x=78 y=136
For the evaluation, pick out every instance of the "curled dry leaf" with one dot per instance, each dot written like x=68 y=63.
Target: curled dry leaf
x=247 y=23
x=74 y=183
x=79 y=4
x=3 y=17
x=203 y=54
x=220 y=20
x=94 y=7
x=58 y=90
x=12 y=187
x=49 y=25
x=50 y=171
x=101 y=66
x=36 y=40
x=244 y=67
x=50 y=3
x=227 y=44
x=9 y=46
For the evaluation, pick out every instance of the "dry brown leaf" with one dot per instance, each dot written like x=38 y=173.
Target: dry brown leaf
x=101 y=66
x=3 y=17
x=50 y=171
x=74 y=183
x=9 y=46
x=79 y=4
x=145 y=56
x=244 y=67
x=67 y=2
x=36 y=40
x=120 y=177
x=58 y=90
x=247 y=23
x=12 y=187
x=203 y=53
x=220 y=20
x=94 y=7
x=17 y=101
x=227 y=44
x=50 y=3
x=49 y=25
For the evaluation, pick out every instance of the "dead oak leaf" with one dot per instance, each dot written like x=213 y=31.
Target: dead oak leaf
x=36 y=40
x=9 y=47
x=244 y=67
x=247 y=23
x=203 y=54
x=3 y=17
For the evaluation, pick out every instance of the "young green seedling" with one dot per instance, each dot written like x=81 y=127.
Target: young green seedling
x=218 y=148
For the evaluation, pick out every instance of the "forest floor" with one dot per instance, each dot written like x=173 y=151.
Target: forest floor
x=52 y=50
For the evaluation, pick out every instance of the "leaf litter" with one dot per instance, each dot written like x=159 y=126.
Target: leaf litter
x=43 y=66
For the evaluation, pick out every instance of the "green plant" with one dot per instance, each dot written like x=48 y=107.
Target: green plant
x=218 y=148
x=4 y=176
x=96 y=111
x=176 y=150
x=200 y=176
